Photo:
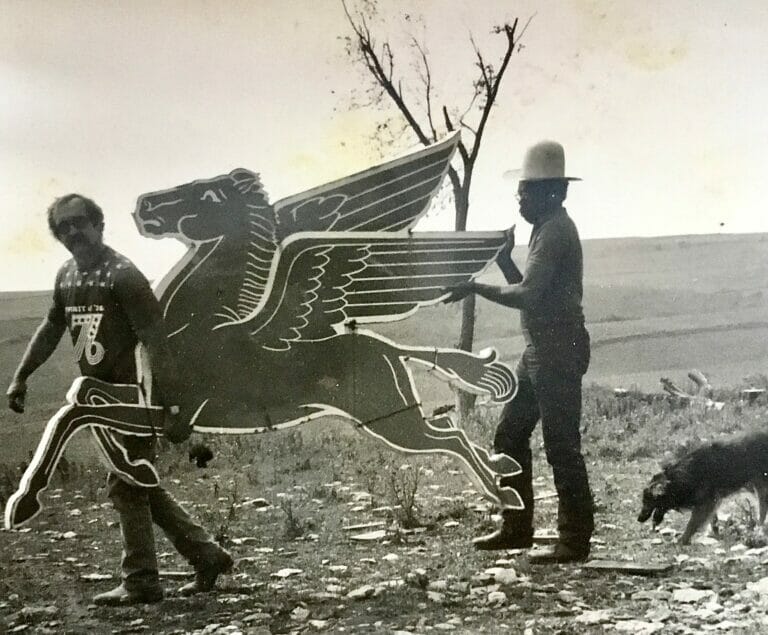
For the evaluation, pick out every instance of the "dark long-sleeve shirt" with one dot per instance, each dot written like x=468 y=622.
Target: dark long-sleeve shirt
x=550 y=294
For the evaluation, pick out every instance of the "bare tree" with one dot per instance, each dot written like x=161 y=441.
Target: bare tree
x=429 y=123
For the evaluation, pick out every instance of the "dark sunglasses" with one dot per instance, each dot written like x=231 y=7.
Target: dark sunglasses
x=76 y=222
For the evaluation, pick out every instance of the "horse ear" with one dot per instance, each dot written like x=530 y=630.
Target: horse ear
x=247 y=182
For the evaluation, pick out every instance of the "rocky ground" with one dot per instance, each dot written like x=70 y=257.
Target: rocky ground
x=350 y=541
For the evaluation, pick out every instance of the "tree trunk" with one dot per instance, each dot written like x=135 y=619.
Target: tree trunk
x=465 y=401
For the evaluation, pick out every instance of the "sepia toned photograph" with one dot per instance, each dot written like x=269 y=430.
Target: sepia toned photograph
x=383 y=317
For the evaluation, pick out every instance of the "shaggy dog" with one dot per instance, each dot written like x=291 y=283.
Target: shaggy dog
x=700 y=478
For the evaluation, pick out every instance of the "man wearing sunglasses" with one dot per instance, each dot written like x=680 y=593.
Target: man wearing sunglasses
x=556 y=357
x=109 y=308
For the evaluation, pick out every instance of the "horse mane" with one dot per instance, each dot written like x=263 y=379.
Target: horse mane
x=262 y=243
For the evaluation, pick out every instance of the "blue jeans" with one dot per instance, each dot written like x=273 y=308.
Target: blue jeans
x=549 y=374
x=139 y=508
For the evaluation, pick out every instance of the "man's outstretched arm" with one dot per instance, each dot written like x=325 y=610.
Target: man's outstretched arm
x=525 y=294
x=40 y=348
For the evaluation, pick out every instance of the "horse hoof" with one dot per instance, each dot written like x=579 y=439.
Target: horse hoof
x=503 y=465
x=23 y=509
x=500 y=464
x=509 y=498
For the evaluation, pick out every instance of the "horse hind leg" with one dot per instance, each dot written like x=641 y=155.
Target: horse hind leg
x=499 y=463
x=407 y=431
x=394 y=416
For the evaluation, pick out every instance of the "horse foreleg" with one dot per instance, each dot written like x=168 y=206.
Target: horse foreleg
x=140 y=472
x=24 y=504
x=89 y=391
x=94 y=392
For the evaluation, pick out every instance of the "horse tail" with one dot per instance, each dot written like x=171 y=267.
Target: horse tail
x=479 y=374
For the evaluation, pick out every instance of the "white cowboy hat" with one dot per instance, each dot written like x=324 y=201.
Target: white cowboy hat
x=542 y=161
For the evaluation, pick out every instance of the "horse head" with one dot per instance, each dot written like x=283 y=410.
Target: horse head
x=202 y=210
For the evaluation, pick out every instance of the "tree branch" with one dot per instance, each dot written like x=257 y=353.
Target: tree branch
x=427 y=80
x=385 y=80
x=493 y=83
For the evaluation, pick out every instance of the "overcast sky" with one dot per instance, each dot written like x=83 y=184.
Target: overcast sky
x=661 y=106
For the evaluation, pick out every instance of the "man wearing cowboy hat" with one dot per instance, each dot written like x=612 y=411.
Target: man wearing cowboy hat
x=556 y=357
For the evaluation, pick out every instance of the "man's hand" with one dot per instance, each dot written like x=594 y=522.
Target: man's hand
x=459 y=291
x=175 y=427
x=506 y=251
x=17 y=393
x=504 y=259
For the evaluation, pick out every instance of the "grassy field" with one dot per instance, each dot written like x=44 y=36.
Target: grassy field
x=655 y=307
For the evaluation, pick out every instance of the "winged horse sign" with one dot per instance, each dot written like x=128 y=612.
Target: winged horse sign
x=264 y=314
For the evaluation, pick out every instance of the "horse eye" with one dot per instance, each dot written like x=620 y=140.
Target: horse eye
x=210 y=195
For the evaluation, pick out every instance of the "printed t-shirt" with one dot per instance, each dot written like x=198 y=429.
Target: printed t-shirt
x=104 y=307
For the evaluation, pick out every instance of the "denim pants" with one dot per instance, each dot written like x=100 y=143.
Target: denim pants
x=139 y=508
x=549 y=374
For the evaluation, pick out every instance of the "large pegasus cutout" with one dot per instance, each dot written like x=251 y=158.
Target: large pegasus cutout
x=264 y=314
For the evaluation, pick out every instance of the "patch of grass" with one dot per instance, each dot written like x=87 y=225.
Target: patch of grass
x=742 y=524
x=220 y=516
x=640 y=427
x=402 y=484
x=293 y=527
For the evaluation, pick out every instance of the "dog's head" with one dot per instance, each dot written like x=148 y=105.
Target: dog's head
x=656 y=499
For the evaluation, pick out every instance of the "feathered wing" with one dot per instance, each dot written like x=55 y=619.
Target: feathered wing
x=320 y=281
x=388 y=197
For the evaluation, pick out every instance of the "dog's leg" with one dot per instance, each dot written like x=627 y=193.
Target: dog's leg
x=713 y=524
x=761 y=492
x=699 y=516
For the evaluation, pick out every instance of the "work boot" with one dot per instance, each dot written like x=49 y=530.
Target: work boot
x=513 y=534
x=206 y=573
x=121 y=596
x=560 y=553
x=502 y=539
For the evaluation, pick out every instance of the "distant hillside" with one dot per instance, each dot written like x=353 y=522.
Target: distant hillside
x=21 y=304
x=654 y=306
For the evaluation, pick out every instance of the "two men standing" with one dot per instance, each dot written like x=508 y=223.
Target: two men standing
x=556 y=356
x=109 y=308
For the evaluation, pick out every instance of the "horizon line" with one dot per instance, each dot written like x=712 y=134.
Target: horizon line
x=722 y=234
